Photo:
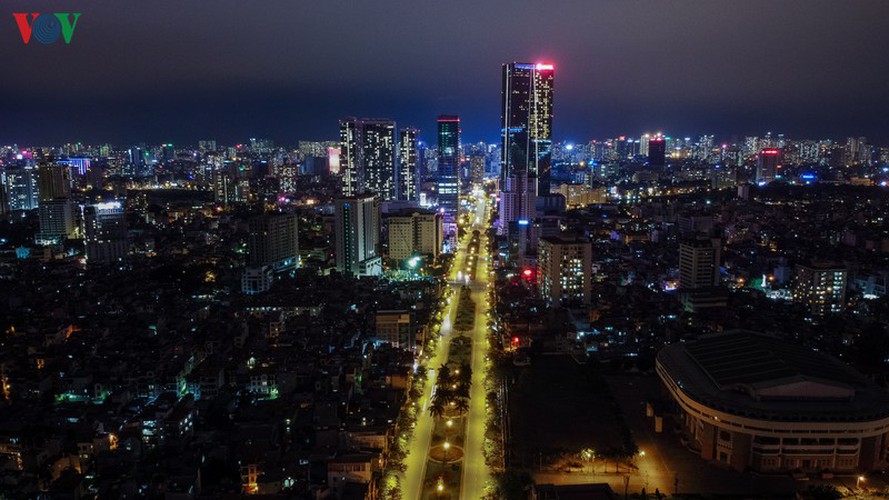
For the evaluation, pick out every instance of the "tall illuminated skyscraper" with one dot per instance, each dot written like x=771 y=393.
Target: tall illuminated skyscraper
x=368 y=158
x=448 y=162
x=526 y=122
x=21 y=188
x=105 y=229
x=767 y=165
x=357 y=221
x=408 y=161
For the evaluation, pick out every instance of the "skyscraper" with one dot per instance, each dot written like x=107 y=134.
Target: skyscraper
x=273 y=241
x=53 y=181
x=368 y=157
x=526 y=122
x=699 y=262
x=21 y=189
x=56 y=218
x=357 y=221
x=105 y=228
x=448 y=178
x=564 y=270
x=408 y=160
x=657 y=151
x=767 y=165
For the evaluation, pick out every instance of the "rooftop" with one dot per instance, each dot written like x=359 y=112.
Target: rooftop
x=760 y=376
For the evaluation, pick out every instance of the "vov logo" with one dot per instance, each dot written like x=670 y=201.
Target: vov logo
x=46 y=28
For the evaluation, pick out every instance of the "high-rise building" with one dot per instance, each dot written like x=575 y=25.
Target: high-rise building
x=368 y=158
x=415 y=233
x=526 y=122
x=643 y=144
x=105 y=231
x=518 y=201
x=657 y=151
x=448 y=177
x=477 y=168
x=409 y=163
x=357 y=221
x=22 y=192
x=821 y=287
x=699 y=259
x=397 y=328
x=564 y=270
x=56 y=219
x=767 y=165
x=208 y=146
x=54 y=181
x=273 y=241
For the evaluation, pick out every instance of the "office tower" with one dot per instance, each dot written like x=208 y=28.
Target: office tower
x=857 y=150
x=22 y=192
x=767 y=165
x=526 y=122
x=105 y=231
x=273 y=240
x=408 y=161
x=657 y=151
x=448 y=177
x=821 y=287
x=56 y=219
x=564 y=270
x=264 y=146
x=368 y=157
x=699 y=262
x=53 y=181
x=477 y=169
x=168 y=152
x=517 y=200
x=207 y=146
x=643 y=145
x=415 y=233
x=138 y=166
x=357 y=221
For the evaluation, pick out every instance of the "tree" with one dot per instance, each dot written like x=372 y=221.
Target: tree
x=437 y=408
x=825 y=492
x=465 y=376
x=461 y=405
x=444 y=376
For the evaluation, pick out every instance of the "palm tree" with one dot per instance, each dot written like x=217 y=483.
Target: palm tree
x=465 y=376
x=444 y=376
x=461 y=405
x=436 y=408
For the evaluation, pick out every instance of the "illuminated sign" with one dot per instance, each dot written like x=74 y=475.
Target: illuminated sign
x=770 y=152
x=109 y=205
x=523 y=222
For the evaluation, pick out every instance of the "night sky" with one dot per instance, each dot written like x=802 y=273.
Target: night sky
x=182 y=70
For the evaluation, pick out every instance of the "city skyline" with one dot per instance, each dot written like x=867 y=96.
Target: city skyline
x=783 y=67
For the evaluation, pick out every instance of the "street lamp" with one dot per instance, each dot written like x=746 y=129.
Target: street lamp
x=858 y=481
